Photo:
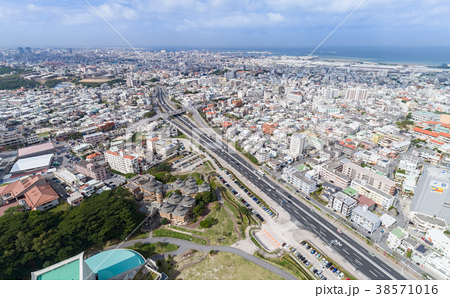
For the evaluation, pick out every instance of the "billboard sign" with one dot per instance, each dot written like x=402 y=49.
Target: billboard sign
x=438 y=187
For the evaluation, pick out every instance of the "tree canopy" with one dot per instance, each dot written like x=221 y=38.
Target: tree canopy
x=32 y=240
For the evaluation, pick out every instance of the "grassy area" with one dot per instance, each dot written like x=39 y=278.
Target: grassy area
x=210 y=166
x=44 y=135
x=60 y=207
x=173 y=234
x=137 y=138
x=149 y=249
x=243 y=220
x=287 y=266
x=227 y=266
x=221 y=233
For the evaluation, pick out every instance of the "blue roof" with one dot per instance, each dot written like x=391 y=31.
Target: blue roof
x=111 y=263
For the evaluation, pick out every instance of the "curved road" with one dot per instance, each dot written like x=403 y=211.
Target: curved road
x=185 y=245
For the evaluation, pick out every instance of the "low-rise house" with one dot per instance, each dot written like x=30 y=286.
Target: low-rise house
x=395 y=237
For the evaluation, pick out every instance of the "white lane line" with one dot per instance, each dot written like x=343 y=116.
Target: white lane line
x=325 y=227
x=373 y=273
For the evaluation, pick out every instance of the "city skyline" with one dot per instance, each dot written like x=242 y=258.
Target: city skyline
x=223 y=23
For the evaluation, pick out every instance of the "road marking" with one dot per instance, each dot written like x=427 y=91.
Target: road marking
x=282 y=195
x=373 y=273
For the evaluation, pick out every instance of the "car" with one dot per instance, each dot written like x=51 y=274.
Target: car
x=329 y=265
x=324 y=278
x=315 y=270
x=318 y=256
x=307 y=263
x=319 y=272
x=334 y=270
x=303 y=243
x=341 y=275
x=339 y=230
x=337 y=272
x=313 y=251
x=320 y=276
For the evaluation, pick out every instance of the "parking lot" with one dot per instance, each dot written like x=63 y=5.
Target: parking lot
x=321 y=267
x=243 y=193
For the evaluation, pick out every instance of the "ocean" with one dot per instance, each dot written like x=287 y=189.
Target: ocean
x=432 y=56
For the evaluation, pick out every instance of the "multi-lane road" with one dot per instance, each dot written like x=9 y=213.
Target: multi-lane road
x=302 y=215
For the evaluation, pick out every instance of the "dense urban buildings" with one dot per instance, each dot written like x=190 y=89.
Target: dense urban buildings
x=365 y=142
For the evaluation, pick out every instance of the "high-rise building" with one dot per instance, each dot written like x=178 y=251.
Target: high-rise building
x=298 y=143
x=430 y=206
x=20 y=49
x=28 y=50
x=132 y=82
x=356 y=94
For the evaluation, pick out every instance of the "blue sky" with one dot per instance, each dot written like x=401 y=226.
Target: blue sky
x=223 y=23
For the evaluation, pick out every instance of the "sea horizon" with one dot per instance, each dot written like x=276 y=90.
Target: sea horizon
x=419 y=55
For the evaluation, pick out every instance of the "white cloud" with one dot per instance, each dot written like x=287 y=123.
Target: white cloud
x=275 y=17
x=117 y=11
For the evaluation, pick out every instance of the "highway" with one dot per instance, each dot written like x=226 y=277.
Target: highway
x=302 y=215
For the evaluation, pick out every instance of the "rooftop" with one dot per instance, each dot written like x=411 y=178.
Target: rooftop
x=398 y=232
x=35 y=149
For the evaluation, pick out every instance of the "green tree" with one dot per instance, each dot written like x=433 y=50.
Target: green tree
x=198 y=210
x=243 y=210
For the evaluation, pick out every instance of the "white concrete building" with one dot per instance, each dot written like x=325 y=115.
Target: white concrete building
x=365 y=219
x=298 y=143
x=121 y=162
x=395 y=237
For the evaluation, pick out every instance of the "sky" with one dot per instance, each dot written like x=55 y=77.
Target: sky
x=223 y=23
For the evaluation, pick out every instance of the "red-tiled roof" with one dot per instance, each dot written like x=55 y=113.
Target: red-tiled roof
x=437 y=142
x=427 y=132
x=112 y=153
x=39 y=195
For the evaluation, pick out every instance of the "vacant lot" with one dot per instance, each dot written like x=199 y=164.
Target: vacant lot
x=227 y=266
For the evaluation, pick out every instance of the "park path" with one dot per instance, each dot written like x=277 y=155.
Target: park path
x=185 y=245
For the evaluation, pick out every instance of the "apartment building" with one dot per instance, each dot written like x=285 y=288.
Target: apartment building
x=331 y=172
x=365 y=219
x=380 y=198
x=92 y=170
x=298 y=143
x=262 y=155
x=269 y=127
x=94 y=138
x=353 y=171
x=120 y=162
x=342 y=203
x=164 y=149
x=11 y=138
x=293 y=176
